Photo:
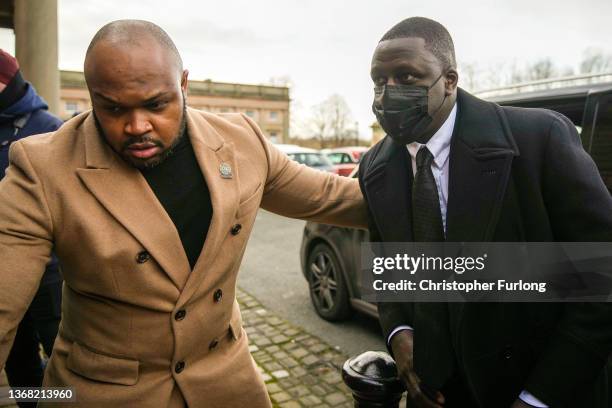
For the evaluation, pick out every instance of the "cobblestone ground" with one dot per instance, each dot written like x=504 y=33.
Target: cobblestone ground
x=300 y=370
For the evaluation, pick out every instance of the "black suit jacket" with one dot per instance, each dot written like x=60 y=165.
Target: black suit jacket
x=514 y=175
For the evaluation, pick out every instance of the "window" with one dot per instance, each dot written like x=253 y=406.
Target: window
x=72 y=107
x=274 y=137
x=273 y=115
x=250 y=114
x=339 y=158
x=310 y=159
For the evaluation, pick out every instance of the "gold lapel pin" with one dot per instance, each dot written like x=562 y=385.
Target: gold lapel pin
x=226 y=170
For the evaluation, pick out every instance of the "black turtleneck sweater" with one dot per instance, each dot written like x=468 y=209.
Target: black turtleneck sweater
x=180 y=187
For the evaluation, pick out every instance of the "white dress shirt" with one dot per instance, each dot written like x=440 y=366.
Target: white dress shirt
x=439 y=146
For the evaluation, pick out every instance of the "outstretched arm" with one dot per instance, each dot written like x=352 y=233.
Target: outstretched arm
x=25 y=242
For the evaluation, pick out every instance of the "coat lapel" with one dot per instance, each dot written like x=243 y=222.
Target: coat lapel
x=124 y=192
x=481 y=155
x=211 y=151
x=388 y=185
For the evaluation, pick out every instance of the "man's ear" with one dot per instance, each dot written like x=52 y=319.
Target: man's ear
x=185 y=81
x=450 y=81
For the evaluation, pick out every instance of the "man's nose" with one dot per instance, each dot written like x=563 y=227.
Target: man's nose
x=391 y=81
x=138 y=124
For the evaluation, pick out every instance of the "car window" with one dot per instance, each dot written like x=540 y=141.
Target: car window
x=335 y=158
x=601 y=143
x=311 y=159
x=346 y=159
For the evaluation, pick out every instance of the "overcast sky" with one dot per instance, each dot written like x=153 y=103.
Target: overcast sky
x=325 y=46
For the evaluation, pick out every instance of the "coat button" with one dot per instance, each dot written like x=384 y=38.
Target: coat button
x=180 y=315
x=507 y=353
x=213 y=344
x=143 y=257
x=218 y=295
x=236 y=229
x=178 y=367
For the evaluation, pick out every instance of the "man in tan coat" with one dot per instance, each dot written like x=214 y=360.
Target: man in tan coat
x=149 y=205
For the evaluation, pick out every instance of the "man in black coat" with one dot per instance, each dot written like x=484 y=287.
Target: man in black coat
x=24 y=113
x=487 y=173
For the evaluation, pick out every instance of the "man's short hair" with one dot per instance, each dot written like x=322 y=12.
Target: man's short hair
x=129 y=32
x=437 y=38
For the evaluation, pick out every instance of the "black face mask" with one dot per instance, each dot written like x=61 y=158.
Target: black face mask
x=402 y=110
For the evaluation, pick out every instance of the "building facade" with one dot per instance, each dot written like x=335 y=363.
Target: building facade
x=267 y=105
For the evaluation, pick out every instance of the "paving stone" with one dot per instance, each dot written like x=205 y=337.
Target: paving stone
x=266 y=377
x=310 y=360
x=299 y=391
x=273 y=366
x=309 y=380
x=310 y=341
x=302 y=337
x=290 y=404
x=288 y=382
x=317 y=348
x=279 y=355
x=275 y=321
x=333 y=378
x=298 y=371
x=280 y=374
x=318 y=390
x=280 y=397
x=280 y=339
x=310 y=400
x=273 y=387
x=336 y=398
x=291 y=332
x=288 y=362
x=262 y=341
x=299 y=353
x=253 y=348
x=264 y=359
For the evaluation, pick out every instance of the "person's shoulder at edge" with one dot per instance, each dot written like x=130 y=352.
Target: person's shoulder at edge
x=530 y=123
x=228 y=125
x=44 y=147
x=237 y=129
x=369 y=157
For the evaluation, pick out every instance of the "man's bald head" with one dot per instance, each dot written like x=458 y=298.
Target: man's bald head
x=126 y=34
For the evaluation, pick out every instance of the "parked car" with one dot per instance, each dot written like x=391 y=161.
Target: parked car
x=310 y=157
x=345 y=159
x=330 y=256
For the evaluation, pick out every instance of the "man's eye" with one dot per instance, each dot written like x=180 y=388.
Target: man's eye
x=406 y=77
x=113 y=109
x=158 y=105
x=380 y=81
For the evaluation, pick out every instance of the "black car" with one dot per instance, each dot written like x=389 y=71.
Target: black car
x=330 y=256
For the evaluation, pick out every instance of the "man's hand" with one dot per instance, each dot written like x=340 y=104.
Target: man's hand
x=520 y=404
x=401 y=344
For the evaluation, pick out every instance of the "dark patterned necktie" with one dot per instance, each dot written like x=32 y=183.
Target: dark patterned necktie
x=433 y=352
x=426 y=215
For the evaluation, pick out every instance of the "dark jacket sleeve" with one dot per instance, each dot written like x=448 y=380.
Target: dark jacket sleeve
x=390 y=314
x=582 y=343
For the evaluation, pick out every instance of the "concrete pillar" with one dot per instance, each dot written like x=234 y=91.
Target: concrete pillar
x=36 y=47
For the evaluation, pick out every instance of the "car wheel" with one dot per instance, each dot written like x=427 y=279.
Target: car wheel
x=328 y=290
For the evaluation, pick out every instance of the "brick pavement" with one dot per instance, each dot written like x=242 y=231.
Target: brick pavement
x=300 y=370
